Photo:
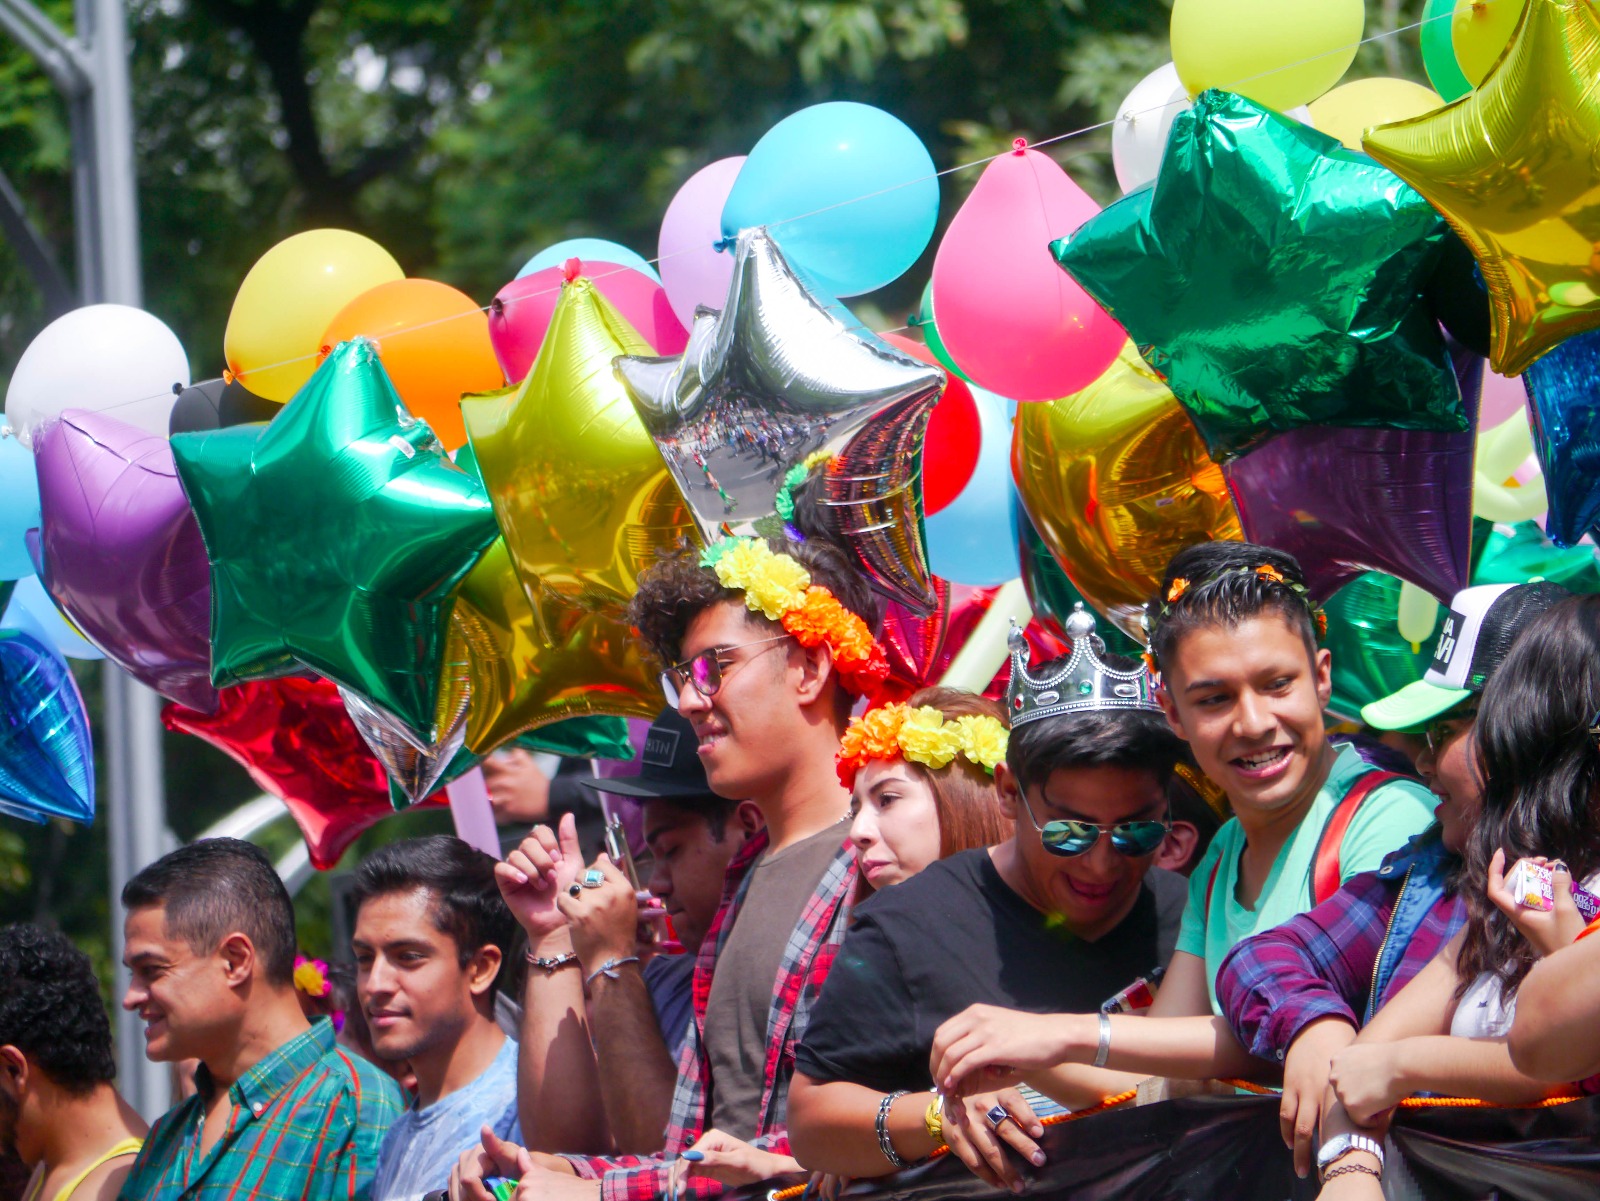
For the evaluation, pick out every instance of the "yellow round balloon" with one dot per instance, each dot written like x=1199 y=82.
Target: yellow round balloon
x=275 y=329
x=1479 y=31
x=1117 y=481
x=1280 y=53
x=1351 y=109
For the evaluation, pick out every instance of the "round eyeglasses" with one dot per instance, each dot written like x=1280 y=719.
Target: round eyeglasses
x=705 y=671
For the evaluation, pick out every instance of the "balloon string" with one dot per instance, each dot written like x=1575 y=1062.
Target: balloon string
x=979 y=162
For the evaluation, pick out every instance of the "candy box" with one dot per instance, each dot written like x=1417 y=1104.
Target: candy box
x=1531 y=885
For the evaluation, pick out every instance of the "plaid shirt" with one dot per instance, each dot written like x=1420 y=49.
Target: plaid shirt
x=305 y=1124
x=806 y=960
x=1324 y=963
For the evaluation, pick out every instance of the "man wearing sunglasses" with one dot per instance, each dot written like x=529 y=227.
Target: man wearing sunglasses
x=1064 y=915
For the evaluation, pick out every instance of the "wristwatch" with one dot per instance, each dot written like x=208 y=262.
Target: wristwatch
x=1342 y=1144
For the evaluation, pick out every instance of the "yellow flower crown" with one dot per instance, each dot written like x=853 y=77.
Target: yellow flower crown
x=920 y=735
x=779 y=588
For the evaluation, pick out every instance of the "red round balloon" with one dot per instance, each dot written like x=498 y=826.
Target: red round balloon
x=950 y=448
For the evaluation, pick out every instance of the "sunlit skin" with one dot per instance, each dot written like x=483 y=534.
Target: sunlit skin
x=1452 y=773
x=688 y=865
x=894 y=824
x=1091 y=893
x=185 y=1000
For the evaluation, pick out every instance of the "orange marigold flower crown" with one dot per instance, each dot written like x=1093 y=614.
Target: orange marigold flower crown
x=779 y=588
x=921 y=735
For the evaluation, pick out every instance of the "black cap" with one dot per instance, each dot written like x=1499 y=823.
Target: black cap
x=669 y=767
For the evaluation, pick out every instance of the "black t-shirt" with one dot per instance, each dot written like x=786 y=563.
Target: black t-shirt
x=955 y=935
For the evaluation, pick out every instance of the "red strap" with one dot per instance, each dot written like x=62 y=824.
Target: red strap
x=1325 y=871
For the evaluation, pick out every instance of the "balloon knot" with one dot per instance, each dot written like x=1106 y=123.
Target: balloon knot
x=1019 y=145
x=498 y=306
x=724 y=245
x=570 y=269
x=227 y=376
x=177 y=389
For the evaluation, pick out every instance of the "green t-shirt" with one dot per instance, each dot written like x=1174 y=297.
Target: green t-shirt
x=1387 y=818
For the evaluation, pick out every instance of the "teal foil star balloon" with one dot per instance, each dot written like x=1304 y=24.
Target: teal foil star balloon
x=337 y=535
x=1274 y=279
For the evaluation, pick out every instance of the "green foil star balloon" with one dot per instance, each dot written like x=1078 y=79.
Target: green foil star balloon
x=1274 y=279
x=337 y=535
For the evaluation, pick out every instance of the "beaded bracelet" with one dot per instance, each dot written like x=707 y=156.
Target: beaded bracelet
x=882 y=1127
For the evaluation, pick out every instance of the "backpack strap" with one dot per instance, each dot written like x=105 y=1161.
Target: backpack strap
x=1325 y=870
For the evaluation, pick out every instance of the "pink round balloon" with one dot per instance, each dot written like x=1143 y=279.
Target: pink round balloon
x=1011 y=318
x=522 y=310
x=692 y=270
x=1502 y=396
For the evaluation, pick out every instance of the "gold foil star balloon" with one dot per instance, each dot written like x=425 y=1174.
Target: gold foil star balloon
x=1512 y=166
x=1116 y=481
x=781 y=373
x=581 y=494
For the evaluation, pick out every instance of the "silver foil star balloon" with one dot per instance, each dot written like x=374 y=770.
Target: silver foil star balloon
x=782 y=373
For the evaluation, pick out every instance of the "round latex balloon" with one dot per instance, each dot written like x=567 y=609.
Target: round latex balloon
x=434 y=345
x=1353 y=108
x=848 y=190
x=214 y=404
x=1143 y=121
x=1479 y=31
x=924 y=321
x=950 y=447
x=46 y=755
x=19 y=508
x=522 y=309
x=1279 y=53
x=1502 y=397
x=971 y=541
x=286 y=301
x=109 y=358
x=693 y=271
x=1016 y=322
x=1439 y=52
x=598 y=249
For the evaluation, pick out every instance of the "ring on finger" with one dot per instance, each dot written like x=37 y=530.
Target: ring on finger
x=575 y=891
x=593 y=878
x=996 y=1116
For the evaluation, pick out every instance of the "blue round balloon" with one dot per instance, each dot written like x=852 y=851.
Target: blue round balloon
x=33 y=612
x=19 y=508
x=588 y=250
x=847 y=190
x=972 y=540
x=46 y=756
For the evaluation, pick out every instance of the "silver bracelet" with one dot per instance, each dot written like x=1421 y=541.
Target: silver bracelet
x=552 y=964
x=608 y=969
x=1103 y=1052
x=882 y=1128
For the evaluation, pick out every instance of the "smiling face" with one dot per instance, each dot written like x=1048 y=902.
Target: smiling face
x=894 y=823
x=1248 y=699
x=1449 y=765
x=190 y=1002
x=1094 y=891
x=417 y=995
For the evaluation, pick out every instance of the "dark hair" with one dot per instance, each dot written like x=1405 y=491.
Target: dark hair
x=676 y=589
x=1130 y=738
x=50 y=1008
x=216 y=887
x=1541 y=770
x=467 y=904
x=714 y=810
x=1224 y=589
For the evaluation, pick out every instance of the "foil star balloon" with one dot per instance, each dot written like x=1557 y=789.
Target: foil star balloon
x=782 y=373
x=582 y=497
x=1116 y=482
x=1345 y=501
x=337 y=535
x=1564 y=403
x=1274 y=279
x=415 y=765
x=1511 y=166
x=46 y=757
x=122 y=553
x=295 y=739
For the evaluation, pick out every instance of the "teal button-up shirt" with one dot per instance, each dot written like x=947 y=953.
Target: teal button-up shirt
x=305 y=1124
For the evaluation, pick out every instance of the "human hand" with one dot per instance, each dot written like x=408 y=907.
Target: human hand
x=731 y=1162
x=495 y=1157
x=982 y=1146
x=536 y=874
x=1305 y=1081
x=826 y=1186
x=985 y=1047
x=604 y=921
x=1548 y=932
x=540 y=1184
x=1369 y=1079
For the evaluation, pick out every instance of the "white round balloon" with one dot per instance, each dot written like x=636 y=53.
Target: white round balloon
x=1139 y=134
x=108 y=358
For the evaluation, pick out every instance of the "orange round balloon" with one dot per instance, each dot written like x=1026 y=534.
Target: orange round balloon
x=434 y=343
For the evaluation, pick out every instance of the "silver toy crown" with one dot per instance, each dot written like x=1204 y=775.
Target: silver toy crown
x=1083 y=684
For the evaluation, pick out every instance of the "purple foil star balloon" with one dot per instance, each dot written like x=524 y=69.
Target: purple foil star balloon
x=1344 y=500
x=122 y=553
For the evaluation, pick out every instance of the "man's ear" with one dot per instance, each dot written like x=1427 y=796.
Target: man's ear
x=239 y=960
x=1169 y=710
x=1177 y=851
x=748 y=817
x=816 y=669
x=482 y=968
x=1007 y=790
x=14 y=1072
x=1323 y=665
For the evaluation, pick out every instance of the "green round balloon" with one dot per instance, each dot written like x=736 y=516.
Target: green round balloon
x=924 y=321
x=1438 y=54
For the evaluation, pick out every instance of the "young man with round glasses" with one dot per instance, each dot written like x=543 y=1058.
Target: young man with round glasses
x=1063 y=916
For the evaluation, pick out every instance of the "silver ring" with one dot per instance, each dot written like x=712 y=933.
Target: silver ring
x=997 y=1116
x=593 y=878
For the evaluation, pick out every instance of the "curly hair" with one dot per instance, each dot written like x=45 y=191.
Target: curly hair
x=1221 y=587
x=50 y=1008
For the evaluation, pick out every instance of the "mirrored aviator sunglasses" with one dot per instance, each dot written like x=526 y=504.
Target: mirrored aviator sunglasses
x=1133 y=839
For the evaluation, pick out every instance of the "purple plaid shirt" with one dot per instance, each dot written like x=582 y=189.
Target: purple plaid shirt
x=807 y=958
x=1323 y=963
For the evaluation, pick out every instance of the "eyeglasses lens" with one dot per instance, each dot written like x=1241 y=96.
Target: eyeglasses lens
x=1133 y=839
